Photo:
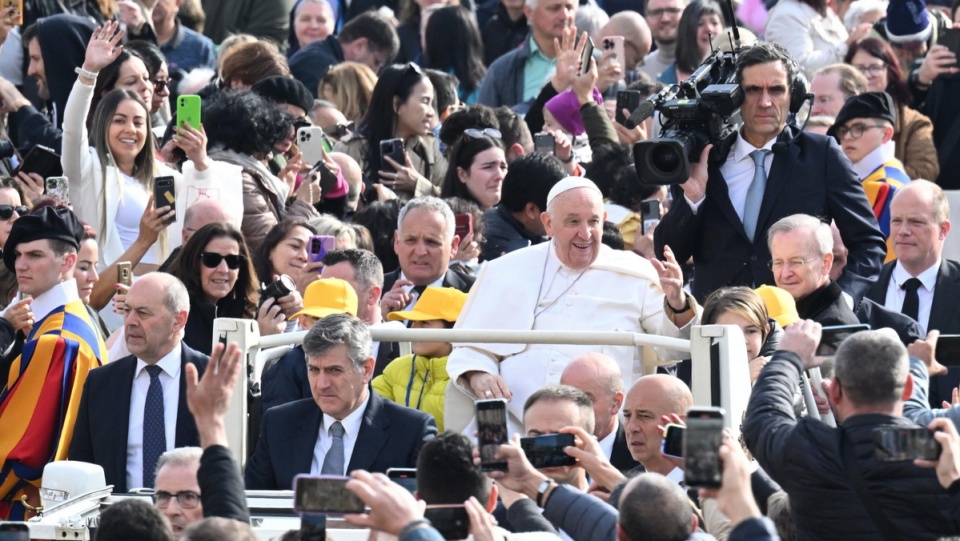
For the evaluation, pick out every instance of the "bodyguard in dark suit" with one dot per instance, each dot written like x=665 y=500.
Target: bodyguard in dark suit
x=121 y=414
x=720 y=215
x=920 y=283
x=344 y=426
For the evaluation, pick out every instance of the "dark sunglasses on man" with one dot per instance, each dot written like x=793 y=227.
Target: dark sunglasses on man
x=338 y=131
x=6 y=211
x=212 y=260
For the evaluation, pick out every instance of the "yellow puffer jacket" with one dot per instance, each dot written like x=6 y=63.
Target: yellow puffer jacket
x=416 y=382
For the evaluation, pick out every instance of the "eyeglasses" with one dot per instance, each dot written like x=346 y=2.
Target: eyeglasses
x=6 y=211
x=855 y=131
x=187 y=499
x=212 y=260
x=480 y=134
x=872 y=69
x=657 y=13
x=340 y=130
x=791 y=264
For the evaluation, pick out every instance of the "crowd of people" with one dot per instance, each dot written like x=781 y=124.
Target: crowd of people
x=160 y=168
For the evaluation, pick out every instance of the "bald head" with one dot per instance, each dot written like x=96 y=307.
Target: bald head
x=648 y=399
x=598 y=376
x=203 y=212
x=637 y=39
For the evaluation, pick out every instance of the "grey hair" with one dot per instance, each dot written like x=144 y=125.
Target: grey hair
x=822 y=236
x=432 y=204
x=175 y=297
x=851 y=19
x=569 y=393
x=880 y=381
x=654 y=507
x=590 y=18
x=339 y=330
x=181 y=457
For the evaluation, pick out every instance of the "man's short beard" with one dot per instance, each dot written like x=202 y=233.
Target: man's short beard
x=43 y=90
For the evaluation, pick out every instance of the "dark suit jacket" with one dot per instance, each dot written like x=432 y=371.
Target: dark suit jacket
x=620 y=456
x=810 y=176
x=944 y=317
x=390 y=437
x=100 y=434
x=827 y=307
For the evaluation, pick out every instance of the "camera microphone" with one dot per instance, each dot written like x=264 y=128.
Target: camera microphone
x=648 y=106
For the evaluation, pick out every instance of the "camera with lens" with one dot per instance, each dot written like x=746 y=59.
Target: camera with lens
x=281 y=287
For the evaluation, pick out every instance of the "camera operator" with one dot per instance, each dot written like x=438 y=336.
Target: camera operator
x=720 y=215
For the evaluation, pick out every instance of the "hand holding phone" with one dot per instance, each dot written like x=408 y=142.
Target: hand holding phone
x=319 y=246
x=165 y=195
x=324 y=494
x=701 y=447
x=491 y=432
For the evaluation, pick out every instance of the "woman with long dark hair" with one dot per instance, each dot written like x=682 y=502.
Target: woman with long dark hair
x=476 y=169
x=700 y=25
x=453 y=45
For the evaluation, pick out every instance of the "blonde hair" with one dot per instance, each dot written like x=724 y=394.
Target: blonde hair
x=350 y=88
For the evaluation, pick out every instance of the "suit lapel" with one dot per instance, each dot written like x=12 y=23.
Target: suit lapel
x=304 y=440
x=186 y=433
x=878 y=292
x=778 y=177
x=118 y=413
x=946 y=296
x=452 y=279
x=372 y=437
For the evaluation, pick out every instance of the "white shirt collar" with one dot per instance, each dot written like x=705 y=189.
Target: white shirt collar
x=928 y=277
x=606 y=444
x=872 y=161
x=676 y=475
x=53 y=298
x=743 y=148
x=351 y=423
x=169 y=363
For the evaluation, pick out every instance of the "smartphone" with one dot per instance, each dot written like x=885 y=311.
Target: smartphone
x=585 y=56
x=629 y=100
x=310 y=141
x=948 y=349
x=328 y=179
x=452 y=521
x=672 y=443
x=188 y=110
x=898 y=444
x=56 y=187
x=43 y=161
x=950 y=38
x=124 y=273
x=319 y=246
x=393 y=149
x=701 y=447
x=615 y=44
x=491 y=432
x=313 y=527
x=14 y=531
x=324 y=494
x=165 y=194
x=14 y=21
x=464 y=225
x=405 y=477
x=547 y=451
x=649 y=214
x=832 y=336
x=544 y=143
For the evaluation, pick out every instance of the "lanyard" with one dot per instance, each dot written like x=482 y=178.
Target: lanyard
x=413 y=374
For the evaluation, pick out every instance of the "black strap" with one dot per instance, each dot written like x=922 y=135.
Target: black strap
x=886 y=528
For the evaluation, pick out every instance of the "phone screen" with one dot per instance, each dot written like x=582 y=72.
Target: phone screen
x=672 y=442
x=948 y=349
x=701 y=447
x=650 y=214
x=452 y=521
x=547 y=451
x=897 y=444
x=405 y=477
x=324 y=495
x=629 y=100
x=491 y=432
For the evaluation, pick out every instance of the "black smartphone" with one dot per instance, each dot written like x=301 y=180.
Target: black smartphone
x=324 y=494
x=585 y=56
x=672 y=443
x=701 y=447
x=544 y=143
x=452 y=521
x=948 y=349
x=405 y=477
x=313 y=527
x=393 y=149
x=950 y=38
x=14 y=531
x=43 y=161
x=649 y=214
x=899 y=444
x=165 y=195
x=629 y=100
x=491 y=432
x=832 y=336
x=547 y=451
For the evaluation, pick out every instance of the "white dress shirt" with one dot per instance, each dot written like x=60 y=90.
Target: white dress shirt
x=351 y=429
x=895 y=294
x=606 y=444
x=738 y=171
x=170 y=381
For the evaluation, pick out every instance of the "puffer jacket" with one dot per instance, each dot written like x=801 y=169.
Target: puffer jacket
x=416 y=382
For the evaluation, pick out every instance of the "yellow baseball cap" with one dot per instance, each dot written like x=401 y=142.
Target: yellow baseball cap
x=328 y=296
x=436 y=303
x=780 y=304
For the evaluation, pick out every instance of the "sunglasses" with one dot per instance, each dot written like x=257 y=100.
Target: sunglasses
x=480 y=134
x=160 y=85
x=212 y=260
x=340 y=130
x=6 y=211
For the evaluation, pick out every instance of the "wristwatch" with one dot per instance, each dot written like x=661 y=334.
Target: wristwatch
x=542 y=490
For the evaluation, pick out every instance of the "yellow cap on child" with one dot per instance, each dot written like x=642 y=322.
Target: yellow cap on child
x=328 y=296
x=436 y=303
x=780 y=304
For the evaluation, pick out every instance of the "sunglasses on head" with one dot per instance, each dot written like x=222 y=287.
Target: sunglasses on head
x=212 y=260
x=479 y=134
x=6 y=211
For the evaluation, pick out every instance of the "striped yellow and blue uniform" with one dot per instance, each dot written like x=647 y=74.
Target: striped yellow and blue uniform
x=880 y=185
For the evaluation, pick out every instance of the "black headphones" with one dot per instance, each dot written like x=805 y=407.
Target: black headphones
x=799 y=92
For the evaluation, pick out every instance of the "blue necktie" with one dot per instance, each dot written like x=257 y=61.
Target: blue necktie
x=751 y=208
x=333 y=462
x=154 y=431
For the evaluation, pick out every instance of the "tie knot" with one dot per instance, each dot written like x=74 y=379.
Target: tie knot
x=154 y=371
x=336 y=430
x=912 y=284
x=758 y=156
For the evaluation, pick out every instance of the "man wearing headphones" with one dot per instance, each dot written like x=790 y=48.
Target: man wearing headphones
x=764 y=172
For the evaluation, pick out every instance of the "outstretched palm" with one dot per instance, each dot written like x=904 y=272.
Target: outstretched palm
x=568 y=50
x=104 y=46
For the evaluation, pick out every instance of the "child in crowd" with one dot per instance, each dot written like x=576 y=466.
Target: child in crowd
x=420 y=380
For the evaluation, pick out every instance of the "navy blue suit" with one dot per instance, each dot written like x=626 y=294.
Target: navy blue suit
x=809 y=176
x=390 y=437
x=100 y=433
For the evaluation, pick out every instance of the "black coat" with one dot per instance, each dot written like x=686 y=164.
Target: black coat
x=827 y=307
x=198 y=332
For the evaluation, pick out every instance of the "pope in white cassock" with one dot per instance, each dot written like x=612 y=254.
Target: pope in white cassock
x=571 y=283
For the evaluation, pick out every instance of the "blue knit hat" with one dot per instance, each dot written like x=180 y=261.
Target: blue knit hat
x=907 y=21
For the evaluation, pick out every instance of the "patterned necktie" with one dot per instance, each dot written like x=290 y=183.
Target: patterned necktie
x=333 y=462
x=751 y=208
x=911 y=300
x=154 y=429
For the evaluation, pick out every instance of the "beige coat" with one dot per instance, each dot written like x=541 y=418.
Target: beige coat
x=425 y=156
x=913 y=135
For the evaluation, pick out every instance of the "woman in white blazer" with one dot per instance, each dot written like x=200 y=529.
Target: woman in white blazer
x=812 y=32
